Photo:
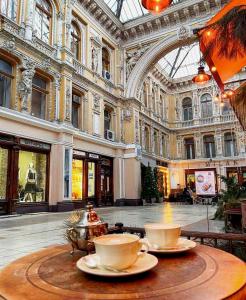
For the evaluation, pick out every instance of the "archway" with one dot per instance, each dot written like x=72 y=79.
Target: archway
x=148 y=60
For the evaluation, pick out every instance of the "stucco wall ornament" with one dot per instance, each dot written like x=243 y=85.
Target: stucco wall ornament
x=9 y=45
x=96 y=102
x=183 y=32
x=132 y=57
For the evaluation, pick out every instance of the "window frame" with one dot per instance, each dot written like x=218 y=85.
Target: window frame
x=9 y=76
x=50 y=17
x=187 y=108
x=211 y=147
x=78 y=39
x=43 y=91
x=190 y=147
x=8 y=2
x=104 y=48
x=205 y=104
x=78 y=104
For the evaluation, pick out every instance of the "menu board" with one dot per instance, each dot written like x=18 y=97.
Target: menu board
x=205 y=182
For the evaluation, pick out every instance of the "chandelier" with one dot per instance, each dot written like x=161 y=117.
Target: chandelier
x=156 y=6
x=201 y=77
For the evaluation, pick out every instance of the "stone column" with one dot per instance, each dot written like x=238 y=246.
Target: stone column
x=143 y=136
x=196 y=108
x=219 y=143
x=179 y=147
x=198 y=145
x=119 y=178
x=152 y=140
x=60 y=17
x=57 y=87
x=30 y=15
x=240 y=137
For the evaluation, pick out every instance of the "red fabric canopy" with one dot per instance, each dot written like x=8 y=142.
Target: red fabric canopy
x=225 y=68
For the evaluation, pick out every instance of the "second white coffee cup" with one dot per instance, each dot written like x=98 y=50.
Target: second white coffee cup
x=162 y=235
x=118 y=251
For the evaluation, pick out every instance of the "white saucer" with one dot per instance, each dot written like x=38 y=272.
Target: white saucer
x=182 y=246
x=144 y=263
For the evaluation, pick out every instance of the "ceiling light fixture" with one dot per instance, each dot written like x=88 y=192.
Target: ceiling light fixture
x=156 y=6
x=201 y=77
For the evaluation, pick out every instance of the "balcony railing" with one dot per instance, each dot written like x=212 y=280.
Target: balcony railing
x=78 y=67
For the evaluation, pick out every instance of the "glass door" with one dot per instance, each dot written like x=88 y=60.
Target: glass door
x=91 y=179
x=77 y=179
x=3 y=180
x=106 y=186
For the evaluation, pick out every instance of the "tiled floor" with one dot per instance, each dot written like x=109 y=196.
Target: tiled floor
x=24 y=234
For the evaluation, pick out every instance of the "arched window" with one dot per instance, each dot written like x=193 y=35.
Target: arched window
x=105 y=60
x=8 y=8
x=75 y=40
x=187 y=109
x=206 y=106
x=230 y=144
x=164 y=146
x=6 y=77
x=43 y=20
x=209 y=146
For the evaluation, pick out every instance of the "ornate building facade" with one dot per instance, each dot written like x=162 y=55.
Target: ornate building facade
x=84 y=104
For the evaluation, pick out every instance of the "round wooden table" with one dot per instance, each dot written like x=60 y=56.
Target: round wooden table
x=203 y=273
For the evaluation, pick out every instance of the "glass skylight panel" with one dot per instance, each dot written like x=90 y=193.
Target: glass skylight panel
x=131 y=9
x=181 y=63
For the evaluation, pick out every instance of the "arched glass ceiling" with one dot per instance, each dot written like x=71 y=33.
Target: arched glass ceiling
x=181 y=62
x=127 y=10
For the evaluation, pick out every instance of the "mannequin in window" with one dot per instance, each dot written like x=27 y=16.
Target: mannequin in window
x=31 y=183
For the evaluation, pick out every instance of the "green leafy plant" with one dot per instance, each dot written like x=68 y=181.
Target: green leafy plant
x=231 y=195
x=149 y=184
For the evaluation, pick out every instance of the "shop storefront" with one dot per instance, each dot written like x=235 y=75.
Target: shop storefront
x=92 y=178
x=239 y=173
x=190 y=179
x=24 y=175
x=164 y=181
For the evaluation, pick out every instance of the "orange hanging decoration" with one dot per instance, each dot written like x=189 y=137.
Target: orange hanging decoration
x=156 y=6
x=202 y=77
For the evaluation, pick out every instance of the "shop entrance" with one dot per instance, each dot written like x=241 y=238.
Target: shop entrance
x=92 y=178
x=4 y=157
x=106 y=182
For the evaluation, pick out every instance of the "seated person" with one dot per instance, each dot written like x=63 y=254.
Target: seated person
x=187 y=196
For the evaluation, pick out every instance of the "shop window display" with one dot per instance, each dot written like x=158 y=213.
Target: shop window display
x=91 y=179
x=77 y=179
x=32 y=176
x=3 y=172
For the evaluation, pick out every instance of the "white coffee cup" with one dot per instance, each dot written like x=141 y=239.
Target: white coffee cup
x=118 y=251
x=161 y=236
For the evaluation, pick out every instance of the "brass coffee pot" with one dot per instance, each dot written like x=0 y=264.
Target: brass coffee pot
x=83 y=227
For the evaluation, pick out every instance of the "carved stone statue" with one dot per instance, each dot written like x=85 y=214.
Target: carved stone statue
x=25 y=87
x=94 y=59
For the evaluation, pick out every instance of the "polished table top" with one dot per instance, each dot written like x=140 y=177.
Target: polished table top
x=203 y=273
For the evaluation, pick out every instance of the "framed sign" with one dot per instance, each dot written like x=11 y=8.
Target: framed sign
x=205 y=182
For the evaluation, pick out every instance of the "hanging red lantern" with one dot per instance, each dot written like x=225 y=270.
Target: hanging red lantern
x=202 y=77
x=156 y=6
